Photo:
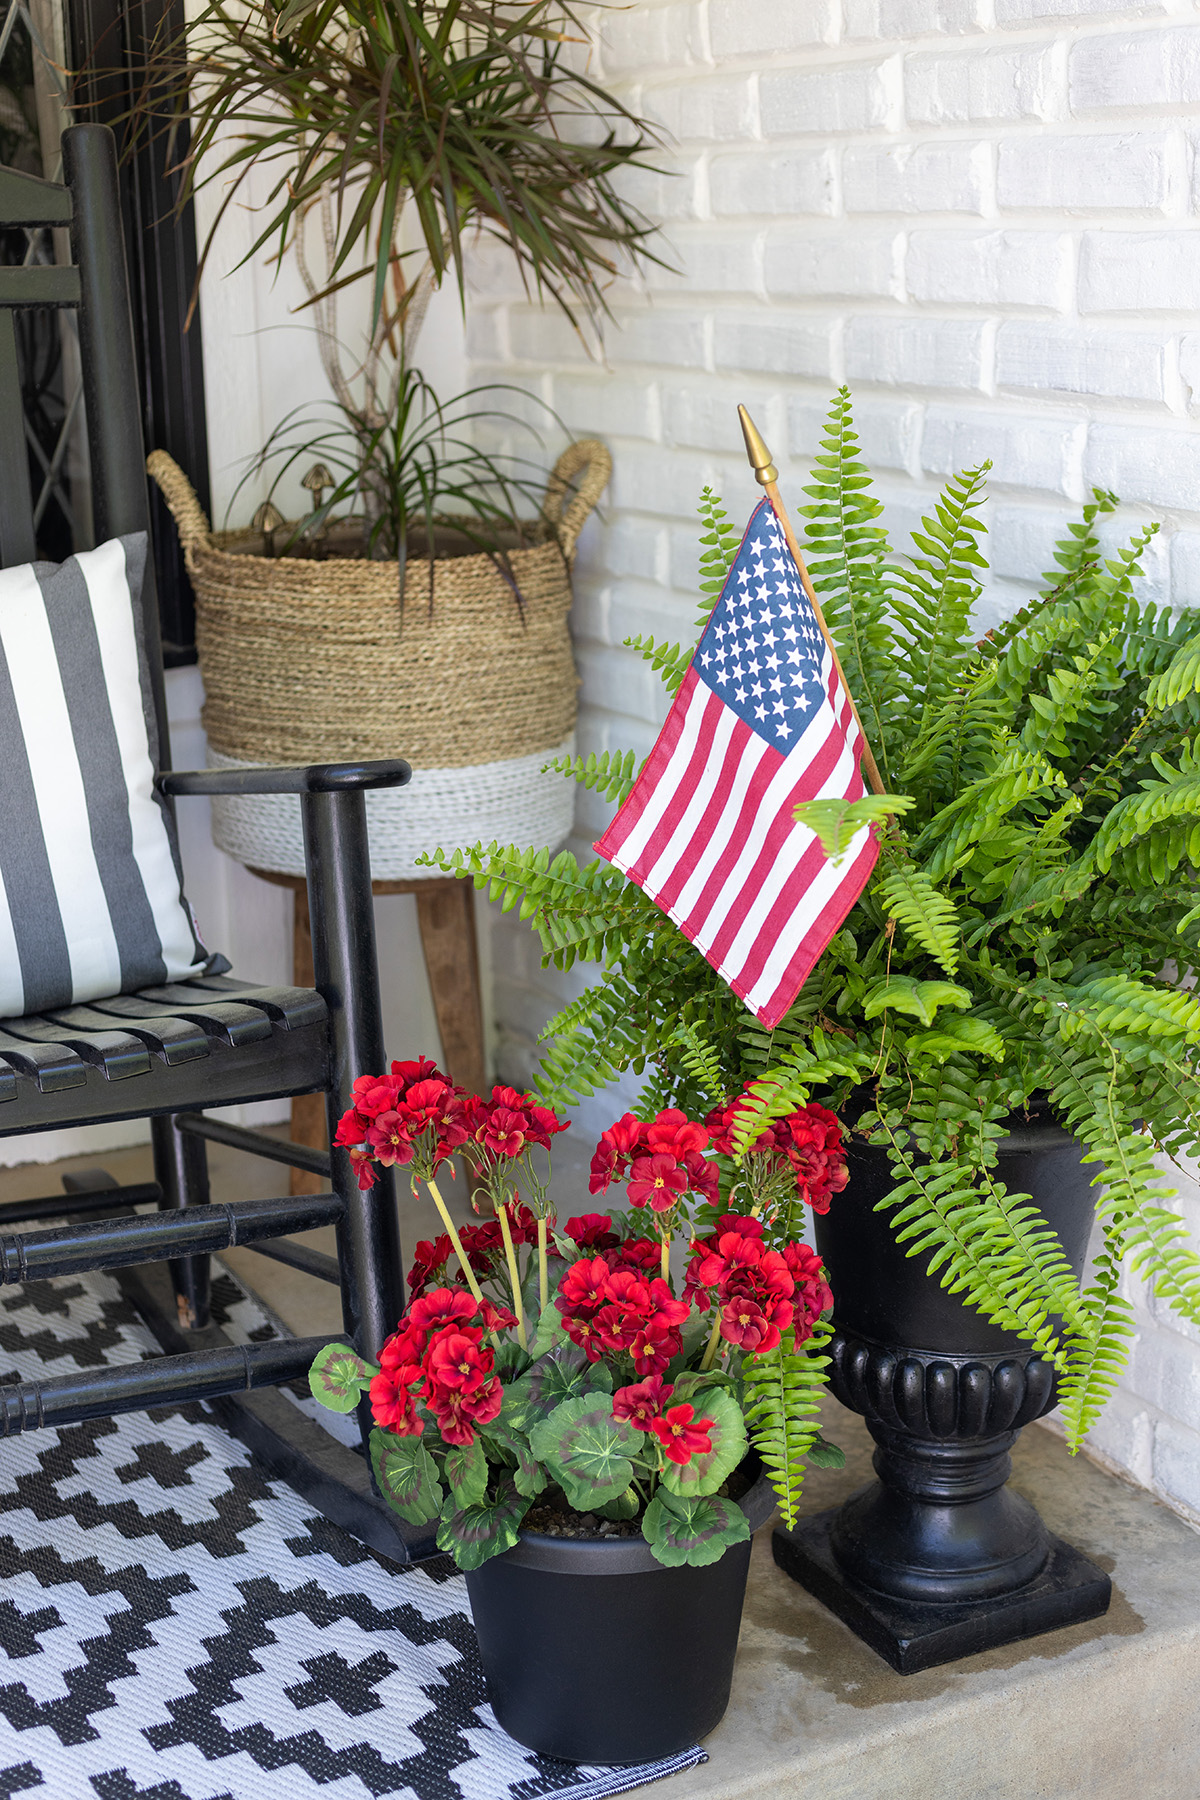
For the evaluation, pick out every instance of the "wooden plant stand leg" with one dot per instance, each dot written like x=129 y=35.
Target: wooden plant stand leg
x=445 y=914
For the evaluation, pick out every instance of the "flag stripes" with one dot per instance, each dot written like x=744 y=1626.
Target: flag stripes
x=708 y=831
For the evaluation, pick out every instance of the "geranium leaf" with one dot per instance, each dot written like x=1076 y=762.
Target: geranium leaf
x=511 y=1361
x=825 y=1455
x=625 y=1506
x=467 y=1473
x=586 y=1450
x=687 y=1385
x=706 y=1471
x=407 y=1476
x=549 y=1331
x=694 y=1531
x=474 y=1534
x=564 y=1373
x=338 y=1376
x=528 y=1475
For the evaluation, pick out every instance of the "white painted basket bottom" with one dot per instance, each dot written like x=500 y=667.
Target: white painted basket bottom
x=512 y=802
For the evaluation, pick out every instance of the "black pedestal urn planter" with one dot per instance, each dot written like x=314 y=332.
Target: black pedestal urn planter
x=596 y=1653
x=938 y=1558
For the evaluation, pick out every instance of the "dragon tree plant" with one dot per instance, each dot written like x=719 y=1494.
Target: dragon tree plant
x=1026 y=942
x=384 y=139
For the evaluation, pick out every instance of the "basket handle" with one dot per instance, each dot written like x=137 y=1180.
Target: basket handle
x=180 y=496
x=590 y=460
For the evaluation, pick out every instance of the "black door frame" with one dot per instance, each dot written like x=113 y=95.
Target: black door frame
x=109 y=40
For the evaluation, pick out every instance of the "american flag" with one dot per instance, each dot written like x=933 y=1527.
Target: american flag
x=761 y=722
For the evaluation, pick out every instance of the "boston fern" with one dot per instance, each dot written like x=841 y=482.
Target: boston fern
x=1023 y=943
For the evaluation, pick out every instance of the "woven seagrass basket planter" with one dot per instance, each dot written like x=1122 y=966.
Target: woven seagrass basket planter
x=316 y=661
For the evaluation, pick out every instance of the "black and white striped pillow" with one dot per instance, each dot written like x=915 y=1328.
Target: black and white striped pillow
x=91 y=901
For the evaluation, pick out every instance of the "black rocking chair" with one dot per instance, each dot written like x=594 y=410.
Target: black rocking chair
x=168 y=1052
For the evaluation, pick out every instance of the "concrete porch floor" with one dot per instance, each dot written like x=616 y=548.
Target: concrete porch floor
x=1104 y=1711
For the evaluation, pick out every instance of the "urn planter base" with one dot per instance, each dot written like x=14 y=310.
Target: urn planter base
x=913 y=1635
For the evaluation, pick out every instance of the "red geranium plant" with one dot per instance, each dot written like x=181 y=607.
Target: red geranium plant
x=589 y=1375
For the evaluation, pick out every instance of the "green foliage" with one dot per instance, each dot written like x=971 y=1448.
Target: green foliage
x=692 y=1530
x=407 y=1476
x=783 y=1391
x=611 y=775
x=564 y=1373
x=587 y=1451
x=473 y=1534
x=338 y=1377
x=1027 y=942
x=473 y=115
x=838 y=822
x=467 y=1473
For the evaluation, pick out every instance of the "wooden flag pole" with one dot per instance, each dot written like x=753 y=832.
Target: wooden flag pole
x=767 y=476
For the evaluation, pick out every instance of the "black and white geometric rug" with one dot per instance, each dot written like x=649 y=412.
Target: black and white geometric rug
x=175 y=1625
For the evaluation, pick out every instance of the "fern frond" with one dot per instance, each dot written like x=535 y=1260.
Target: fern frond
x=931 y=918
x=701 y=1061
x=671 y=661
x=720 y=543
x=1165 y=812
x=612 y=773
x=847 y=558
x=782 y=1393
x=941 y=587
x=579 y=913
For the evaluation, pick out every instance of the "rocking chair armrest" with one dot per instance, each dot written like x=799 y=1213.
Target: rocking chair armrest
x=314 y=778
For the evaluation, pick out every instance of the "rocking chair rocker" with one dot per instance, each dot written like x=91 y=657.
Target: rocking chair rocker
x=168 y=1051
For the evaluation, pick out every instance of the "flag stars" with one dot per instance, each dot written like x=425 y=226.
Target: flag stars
x=762 y=652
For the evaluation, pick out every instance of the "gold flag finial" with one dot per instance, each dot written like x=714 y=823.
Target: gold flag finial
x=760 y=457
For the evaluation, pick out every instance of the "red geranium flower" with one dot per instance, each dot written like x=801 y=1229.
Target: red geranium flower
x=641 y=1403
x=406 y=1345
x=457 y=1413
x=657 y=1182
x=620 y=1142
x=812 y=1291
x=584 y=1287
x=681 y=1434
x=390 y=1139
x=454 y=1360
x=430 y=1257
x=593 y=1231
x=394 y=1117
x=496 y=1318
x=509 y=1123
x=443 y=1306
x=392 y=1405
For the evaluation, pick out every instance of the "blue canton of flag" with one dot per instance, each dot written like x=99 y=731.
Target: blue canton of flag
x=761 y=722
x=762 y=650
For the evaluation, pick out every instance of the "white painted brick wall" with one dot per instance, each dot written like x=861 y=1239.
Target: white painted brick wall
x=982 y=214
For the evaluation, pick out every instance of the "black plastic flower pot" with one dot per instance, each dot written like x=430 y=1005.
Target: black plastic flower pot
x=939 y=1558
x=596 y=1653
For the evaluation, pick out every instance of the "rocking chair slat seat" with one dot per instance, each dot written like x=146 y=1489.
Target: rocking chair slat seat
x=234 y=1024
x=288 y=1006
x=52 y=1066
x=174 y=1040
x=129 y=1055
x=116 y=1053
